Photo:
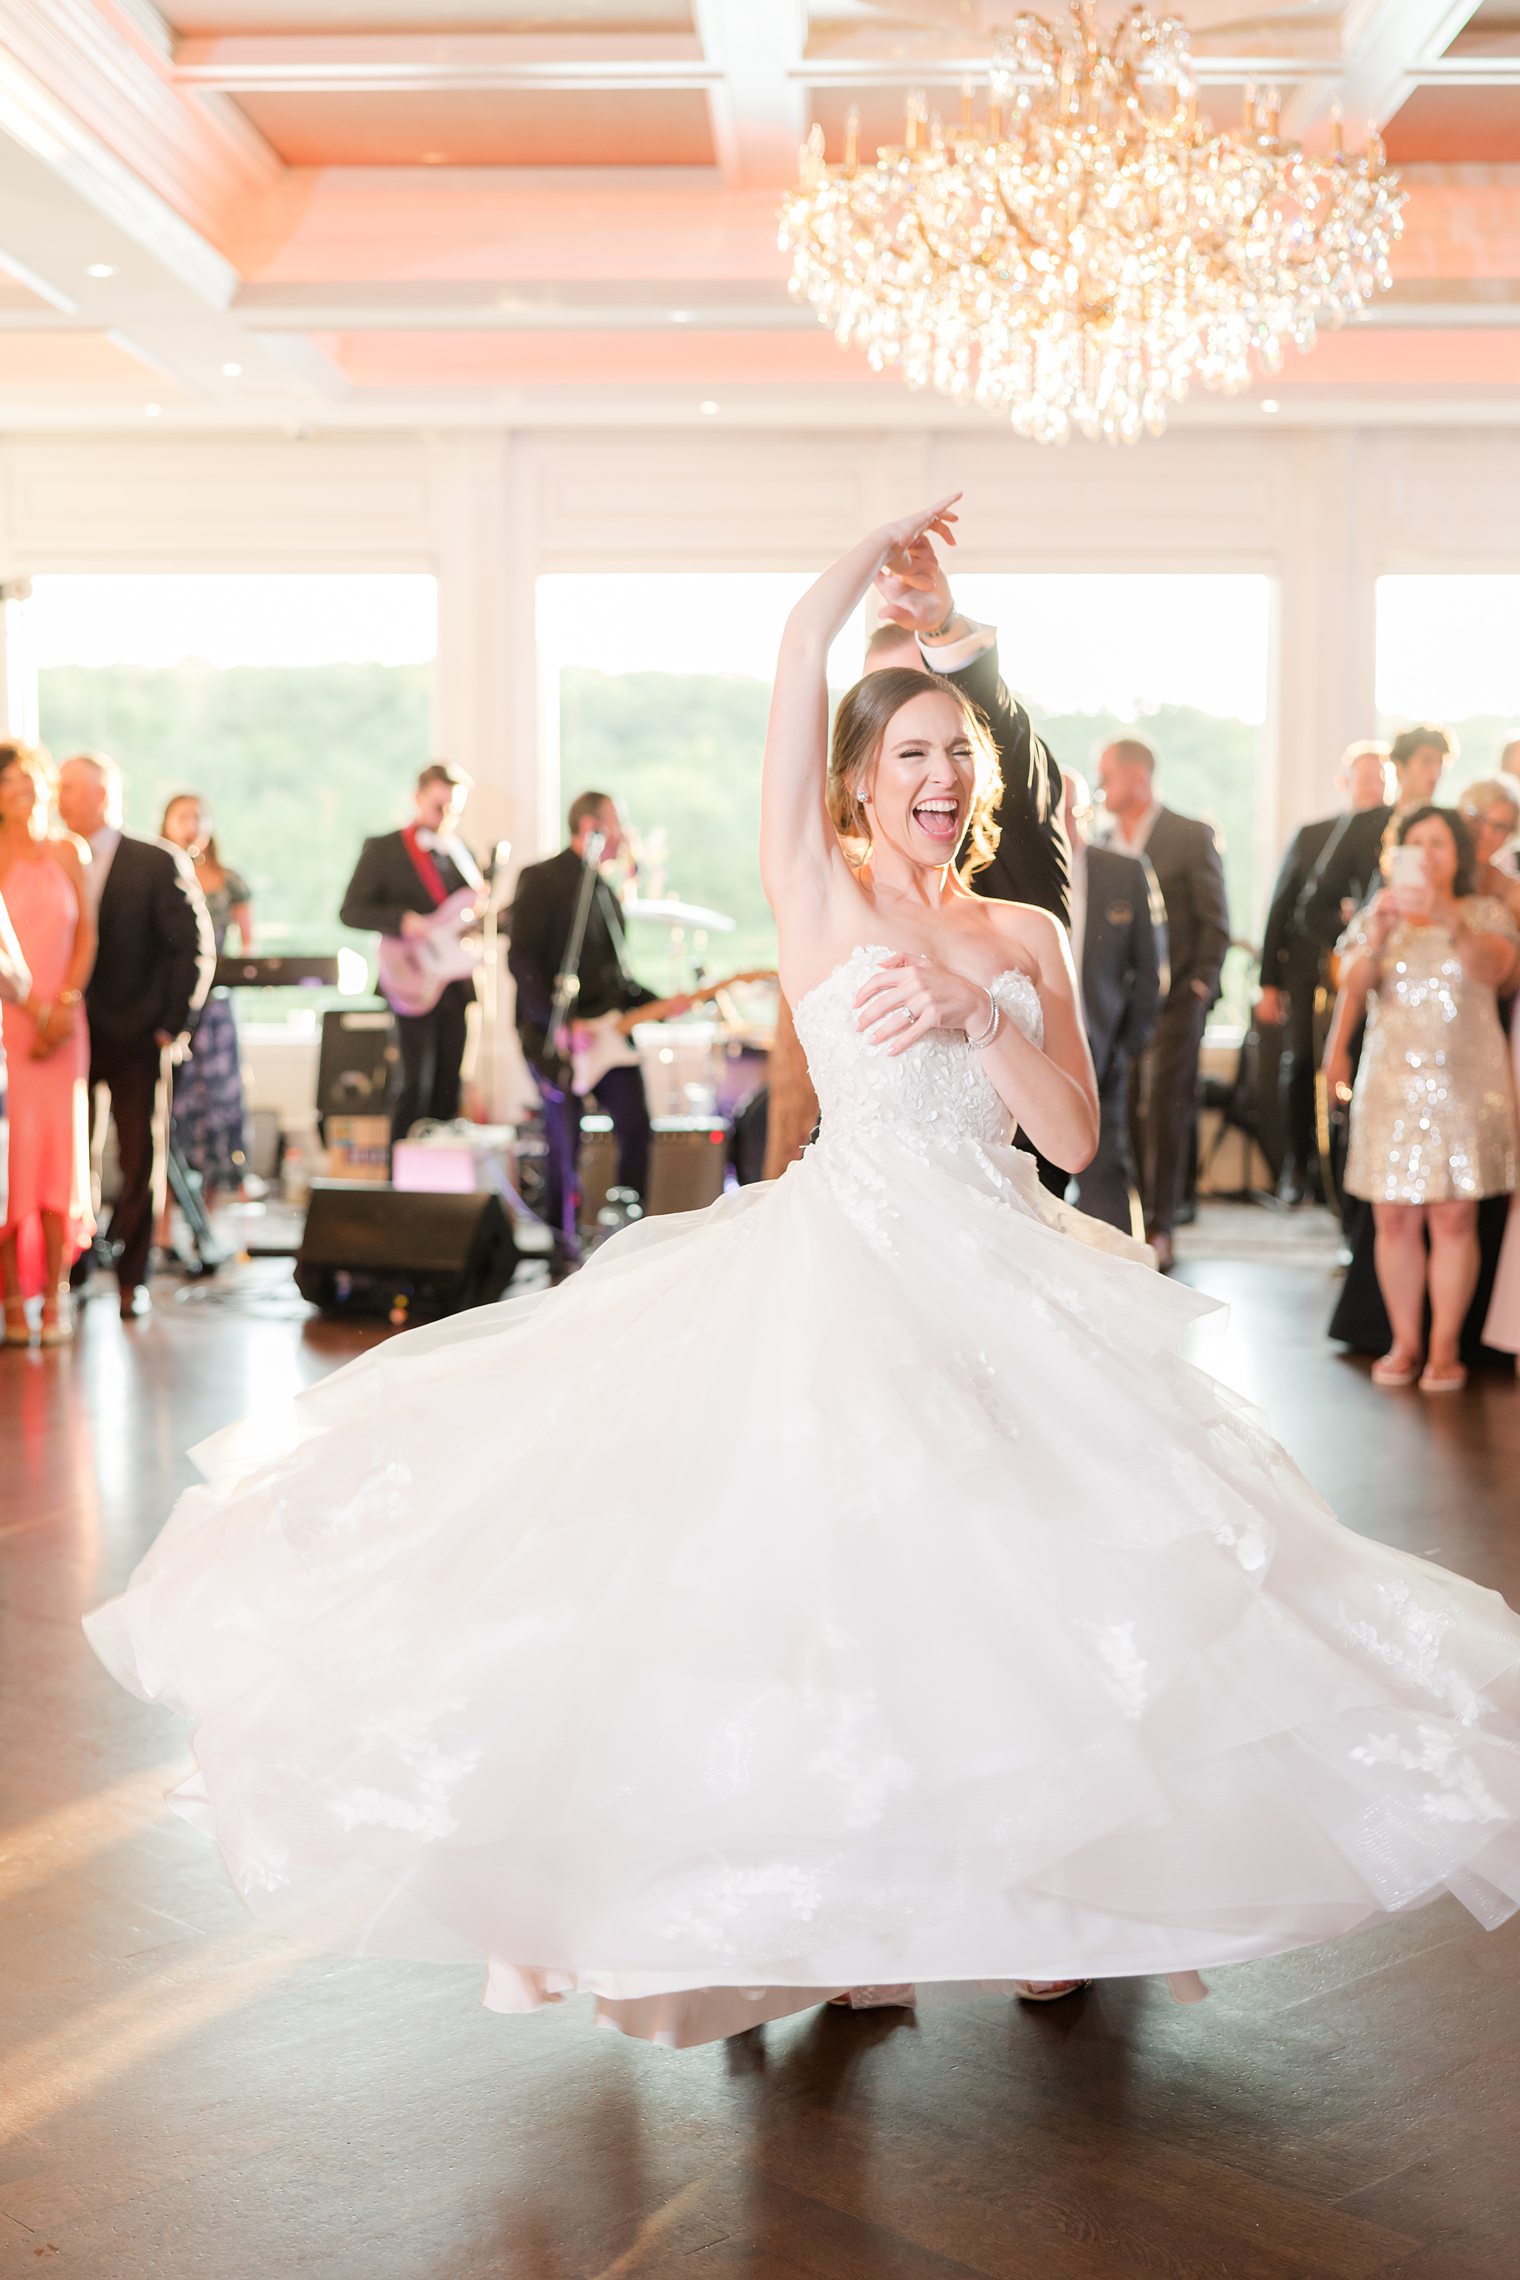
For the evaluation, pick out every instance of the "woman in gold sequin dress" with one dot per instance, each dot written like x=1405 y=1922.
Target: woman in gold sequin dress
x=1433 y=1126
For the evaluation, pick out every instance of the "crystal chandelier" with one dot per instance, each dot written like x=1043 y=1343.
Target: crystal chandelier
x=1081 y=257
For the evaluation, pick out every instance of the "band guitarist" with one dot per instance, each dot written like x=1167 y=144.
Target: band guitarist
x=542 y=923
x=400 y=879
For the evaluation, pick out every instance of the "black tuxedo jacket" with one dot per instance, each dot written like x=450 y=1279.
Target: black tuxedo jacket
x=1033 y=863
x=1286 y=952
x=1124 y=956
x=157 y=953
x=1184 y=855
x=540 y=920
x=1347 y=867
x=385 y=884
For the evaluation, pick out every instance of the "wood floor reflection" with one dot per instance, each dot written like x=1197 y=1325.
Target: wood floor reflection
x=184 y=2098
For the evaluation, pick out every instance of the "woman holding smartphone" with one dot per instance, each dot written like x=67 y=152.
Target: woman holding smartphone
x=1433 y=1127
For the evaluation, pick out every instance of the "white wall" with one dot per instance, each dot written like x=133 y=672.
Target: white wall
x=1323 y=511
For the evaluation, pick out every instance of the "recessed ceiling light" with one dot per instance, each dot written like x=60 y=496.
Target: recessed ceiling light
x=435 y=158
x=708 y=409
x=100 y=269
x=152 y=411
x=680 y=316
x=232 y=372
x=1270 y=404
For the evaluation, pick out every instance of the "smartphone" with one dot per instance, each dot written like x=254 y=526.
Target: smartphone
x=1406 y=867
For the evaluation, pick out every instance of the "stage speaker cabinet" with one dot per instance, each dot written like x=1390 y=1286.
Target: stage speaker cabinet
x=411 y=1258
x=356 y=1071
x=688 y=1158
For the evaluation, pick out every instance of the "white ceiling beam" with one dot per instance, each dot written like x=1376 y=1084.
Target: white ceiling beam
x=68 y=204
x=759 y=102
x=426 y=63
x=109 y=68
x=953 y=71
x=694 y=306
x=1385 y=45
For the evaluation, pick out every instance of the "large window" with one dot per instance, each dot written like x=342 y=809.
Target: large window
x=297 y=706
x=1446 y=652
x=663 y=682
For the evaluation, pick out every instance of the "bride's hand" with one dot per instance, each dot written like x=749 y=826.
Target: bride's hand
x=899 y=539
x=909 y=995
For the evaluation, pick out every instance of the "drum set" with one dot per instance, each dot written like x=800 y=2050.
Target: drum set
x=710 y=1063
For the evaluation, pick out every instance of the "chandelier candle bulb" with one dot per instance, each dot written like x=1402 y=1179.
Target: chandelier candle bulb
x=1078 y=268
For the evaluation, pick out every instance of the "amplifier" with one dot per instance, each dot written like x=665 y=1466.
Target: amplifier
x=359 y=1056
x=372 y=1250
x=688 y=1159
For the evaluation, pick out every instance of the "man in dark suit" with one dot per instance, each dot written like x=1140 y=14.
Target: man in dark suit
x=1184 y=855
x=542 y=921
x=922 y=628
x=1347 y=869
x=153 y=968
x=1291 y=959
x=1118 y=941
x=400 y=879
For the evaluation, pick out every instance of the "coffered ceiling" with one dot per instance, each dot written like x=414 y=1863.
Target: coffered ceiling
x=303 y=212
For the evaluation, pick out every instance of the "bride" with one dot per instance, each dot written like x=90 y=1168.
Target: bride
x=849 y=1586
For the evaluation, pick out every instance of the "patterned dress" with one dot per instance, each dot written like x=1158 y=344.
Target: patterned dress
x=209 y=1116
x=1433 y=1113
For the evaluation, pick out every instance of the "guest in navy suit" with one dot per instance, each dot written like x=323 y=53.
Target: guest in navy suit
x=1118 y=944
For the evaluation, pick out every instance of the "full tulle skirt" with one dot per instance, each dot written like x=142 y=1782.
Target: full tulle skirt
x=853 y=1583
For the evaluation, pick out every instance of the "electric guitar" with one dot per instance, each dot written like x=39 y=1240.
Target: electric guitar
x=606 y=1041
x=416 y=969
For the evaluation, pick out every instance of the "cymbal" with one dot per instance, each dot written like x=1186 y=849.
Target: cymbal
x=671 y=913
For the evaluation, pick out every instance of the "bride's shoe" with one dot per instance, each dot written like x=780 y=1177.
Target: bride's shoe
x=1047 y=1990
x=1396 y=1368
x=875 y=1999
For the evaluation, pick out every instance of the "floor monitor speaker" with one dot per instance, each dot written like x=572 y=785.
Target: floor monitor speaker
x=377 y=1250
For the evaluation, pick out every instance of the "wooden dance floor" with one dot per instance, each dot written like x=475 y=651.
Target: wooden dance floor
x=185 y=2098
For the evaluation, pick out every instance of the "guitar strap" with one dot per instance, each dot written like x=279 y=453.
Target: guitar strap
x=424 y=866
x=612 y=915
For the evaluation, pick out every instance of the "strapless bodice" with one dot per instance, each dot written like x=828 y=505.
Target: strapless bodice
x=932 y=1097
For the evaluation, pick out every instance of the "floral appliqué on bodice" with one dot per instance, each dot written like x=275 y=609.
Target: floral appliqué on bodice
x=930 y=1097
x=935 y=1099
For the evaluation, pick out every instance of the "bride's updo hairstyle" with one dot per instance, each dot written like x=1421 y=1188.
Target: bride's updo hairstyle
x=864 y=716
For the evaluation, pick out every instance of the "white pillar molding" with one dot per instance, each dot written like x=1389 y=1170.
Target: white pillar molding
x=1324 y=678
x=18 y=662
x=486 y=677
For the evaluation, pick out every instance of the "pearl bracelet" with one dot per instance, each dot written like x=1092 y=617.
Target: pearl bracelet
x=994 y=1023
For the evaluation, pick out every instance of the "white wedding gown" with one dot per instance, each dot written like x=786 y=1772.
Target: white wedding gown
x=851 y=1583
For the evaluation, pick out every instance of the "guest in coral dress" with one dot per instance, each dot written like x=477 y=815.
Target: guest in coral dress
x=45 y=1217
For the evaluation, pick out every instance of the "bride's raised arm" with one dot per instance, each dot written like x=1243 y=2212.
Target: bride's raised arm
x=797 y=843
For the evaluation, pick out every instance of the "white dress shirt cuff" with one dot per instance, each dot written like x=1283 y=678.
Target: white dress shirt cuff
x=954 y=656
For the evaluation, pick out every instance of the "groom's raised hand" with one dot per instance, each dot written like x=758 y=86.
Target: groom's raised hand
x=916 y=594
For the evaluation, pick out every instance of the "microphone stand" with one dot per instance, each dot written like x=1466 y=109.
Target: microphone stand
x=566 y=990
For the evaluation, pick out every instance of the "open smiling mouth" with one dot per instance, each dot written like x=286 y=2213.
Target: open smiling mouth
x=939 y=819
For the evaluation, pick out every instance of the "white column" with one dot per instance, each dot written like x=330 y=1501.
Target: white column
x=485 y=681
x=18 y=662
x=1325 y=645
